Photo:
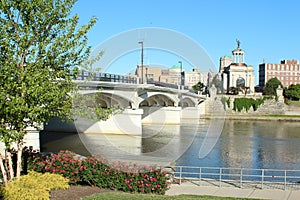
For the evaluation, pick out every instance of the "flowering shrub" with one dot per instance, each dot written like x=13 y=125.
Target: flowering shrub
x=123 y=176
x=63 y=163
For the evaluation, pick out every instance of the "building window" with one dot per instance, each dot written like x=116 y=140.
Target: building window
x=240 y=82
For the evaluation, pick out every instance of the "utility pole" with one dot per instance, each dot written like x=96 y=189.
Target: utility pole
x=142 y=59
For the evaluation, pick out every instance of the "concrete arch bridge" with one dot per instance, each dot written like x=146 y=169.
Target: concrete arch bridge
x=141 y=104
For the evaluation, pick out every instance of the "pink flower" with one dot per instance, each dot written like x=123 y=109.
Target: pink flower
x=148 y=184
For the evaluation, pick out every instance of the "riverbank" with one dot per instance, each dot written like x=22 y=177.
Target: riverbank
x=254 y=117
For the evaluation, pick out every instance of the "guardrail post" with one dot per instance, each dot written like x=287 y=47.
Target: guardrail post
x=284 y=179
x=241 y=179
x=220 y=178
x=200 y=175
x=262 y=178
x=180 y=171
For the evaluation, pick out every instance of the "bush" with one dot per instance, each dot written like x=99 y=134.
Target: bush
x=123 y=176
x=64 y=163
x=34 y=186
x=246 y=103
x=103 y=173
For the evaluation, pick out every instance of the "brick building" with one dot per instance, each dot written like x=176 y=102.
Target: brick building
x=287 y=72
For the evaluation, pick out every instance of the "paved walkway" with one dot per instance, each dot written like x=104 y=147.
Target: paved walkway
x=256 y=193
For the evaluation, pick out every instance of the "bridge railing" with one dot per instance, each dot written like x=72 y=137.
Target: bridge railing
x=169 y=85
x=85 y=75
x=239 y=177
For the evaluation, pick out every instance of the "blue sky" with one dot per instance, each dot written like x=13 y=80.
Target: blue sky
x=268 y=30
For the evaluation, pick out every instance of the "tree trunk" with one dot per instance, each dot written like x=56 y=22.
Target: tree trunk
x=4 y=174
x=10 y=166
x=19 y=159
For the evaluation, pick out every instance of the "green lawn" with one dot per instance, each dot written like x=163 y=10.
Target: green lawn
x=127 y=196
x=294 y=103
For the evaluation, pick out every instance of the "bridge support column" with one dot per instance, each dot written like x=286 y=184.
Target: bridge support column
x=190 y=113
x=31 y=139
x=128 y=122
x=161 y=115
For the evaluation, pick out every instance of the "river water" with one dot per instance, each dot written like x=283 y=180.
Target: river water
x=241 y=144
x=250 y=144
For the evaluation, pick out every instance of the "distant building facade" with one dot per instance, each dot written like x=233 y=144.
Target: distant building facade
x=147 y=72
x=235 y=72
x=174 y=75
x=195 y=76
x=287 y=72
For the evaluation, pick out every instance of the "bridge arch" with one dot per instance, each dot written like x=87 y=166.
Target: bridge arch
x=108 y=99
x=157 y=100
x=187 y=102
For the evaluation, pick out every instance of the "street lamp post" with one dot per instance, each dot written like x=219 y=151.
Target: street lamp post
x=142 y=59
x=146 y=75
x=180 y=62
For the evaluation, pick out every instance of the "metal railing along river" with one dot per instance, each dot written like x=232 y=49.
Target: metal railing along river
x=239 y=177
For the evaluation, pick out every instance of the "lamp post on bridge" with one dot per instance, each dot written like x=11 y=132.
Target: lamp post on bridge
x=180 y=62
x=142 y=59
x=146 y=75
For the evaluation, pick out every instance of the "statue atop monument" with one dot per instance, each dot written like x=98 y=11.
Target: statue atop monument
x=238 y=43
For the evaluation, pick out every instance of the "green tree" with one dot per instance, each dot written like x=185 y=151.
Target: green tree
x=271 y=86
x=292 y=92
x=39 y=42
x=198 y=87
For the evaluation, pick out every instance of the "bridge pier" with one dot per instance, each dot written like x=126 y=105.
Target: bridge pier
x=128 y=122
x=31 y=139
x=190 y=113
x=161 y=115
x=193 y=112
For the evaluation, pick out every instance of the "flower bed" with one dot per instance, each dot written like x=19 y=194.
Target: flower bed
x=122 y=176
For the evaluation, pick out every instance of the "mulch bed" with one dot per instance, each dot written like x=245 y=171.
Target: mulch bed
x=76 y=192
